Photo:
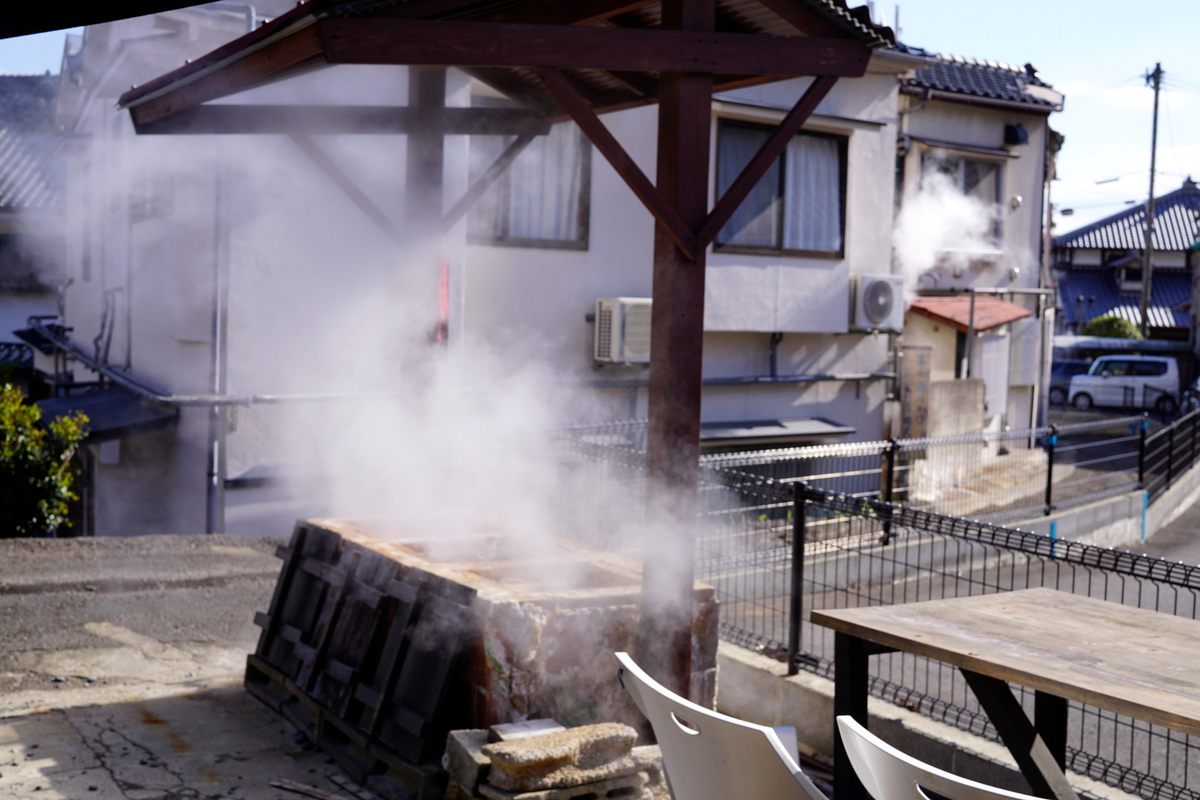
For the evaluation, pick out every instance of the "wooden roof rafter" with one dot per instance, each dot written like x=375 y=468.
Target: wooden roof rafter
x=501 y=44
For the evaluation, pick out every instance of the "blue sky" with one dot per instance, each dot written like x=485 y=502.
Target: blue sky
x=1095 y=51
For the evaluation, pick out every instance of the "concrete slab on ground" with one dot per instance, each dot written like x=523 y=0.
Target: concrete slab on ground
x=122 y=668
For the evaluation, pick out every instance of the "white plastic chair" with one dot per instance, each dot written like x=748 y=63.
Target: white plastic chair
x=710 y=756
x=889 y=774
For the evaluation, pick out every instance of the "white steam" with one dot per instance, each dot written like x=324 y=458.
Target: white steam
x=939 y=228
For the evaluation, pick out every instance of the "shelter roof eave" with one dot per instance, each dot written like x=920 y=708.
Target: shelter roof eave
x=612 y=50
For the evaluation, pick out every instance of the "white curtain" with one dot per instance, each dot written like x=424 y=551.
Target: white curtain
x=756 y=222
x=813 y=190
x=539 y=197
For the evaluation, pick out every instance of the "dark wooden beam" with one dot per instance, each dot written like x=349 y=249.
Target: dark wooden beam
x=750 y=175
x=359 y=40
x=481 y=184
x=798 y=17
x=317 y=120
x=576 y=12
x=603 y=140
x=676 y=354
x=321 y=160
x=285 y=56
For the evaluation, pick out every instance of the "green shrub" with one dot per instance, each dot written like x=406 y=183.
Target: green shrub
x=35 y=467
x=1112 y=328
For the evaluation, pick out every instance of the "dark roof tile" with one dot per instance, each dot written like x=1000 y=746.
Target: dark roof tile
x=984 y=79
x=1176 y=225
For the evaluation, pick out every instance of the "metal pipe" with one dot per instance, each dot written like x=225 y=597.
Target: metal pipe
x=215 y=477
x=970 y=335
x=745 y=380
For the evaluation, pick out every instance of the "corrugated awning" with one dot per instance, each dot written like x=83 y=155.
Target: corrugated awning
x=990 y=312
x=112 y=412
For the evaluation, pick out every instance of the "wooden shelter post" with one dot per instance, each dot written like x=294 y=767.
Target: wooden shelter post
x=677 y=330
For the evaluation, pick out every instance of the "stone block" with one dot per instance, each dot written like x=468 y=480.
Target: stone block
x=625 y=787
x=584 y=754
x=464 y=758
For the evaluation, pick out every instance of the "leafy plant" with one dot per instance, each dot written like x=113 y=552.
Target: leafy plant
x=1112 y=328
x=35 y=467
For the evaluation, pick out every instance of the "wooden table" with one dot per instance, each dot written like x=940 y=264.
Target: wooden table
x=1065 y=647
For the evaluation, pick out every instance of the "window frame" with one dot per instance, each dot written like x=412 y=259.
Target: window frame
x=843 y=147
x=502 y=189
x=931 y=155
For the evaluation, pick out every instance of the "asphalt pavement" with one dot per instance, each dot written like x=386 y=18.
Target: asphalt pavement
x=121 y=673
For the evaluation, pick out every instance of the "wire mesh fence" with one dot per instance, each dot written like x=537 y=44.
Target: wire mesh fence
x=998 y=476
x=776 y=541
x=864 y=552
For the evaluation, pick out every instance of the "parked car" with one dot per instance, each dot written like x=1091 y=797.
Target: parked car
x=1128 y=382
x=1061 y=372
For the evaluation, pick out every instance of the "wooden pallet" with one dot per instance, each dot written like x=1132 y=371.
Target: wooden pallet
x=364 y=656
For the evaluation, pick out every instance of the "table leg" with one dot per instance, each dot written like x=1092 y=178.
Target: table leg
x=1050 y=719
x=849 y=697
x=1040 y=766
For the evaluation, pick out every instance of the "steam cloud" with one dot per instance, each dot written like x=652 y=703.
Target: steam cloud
x=940 y=227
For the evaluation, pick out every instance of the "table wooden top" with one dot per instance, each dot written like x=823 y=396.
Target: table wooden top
x=1137 y=662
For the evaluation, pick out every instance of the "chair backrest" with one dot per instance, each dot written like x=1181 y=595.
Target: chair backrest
x=889 y=774
x=708 y=755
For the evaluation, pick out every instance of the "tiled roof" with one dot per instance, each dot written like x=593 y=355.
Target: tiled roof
x=28 y=169
x=27 y=102
x=1176 y=225
x=1169 y=291
x=984 y=79
x=990 y=312
x=28 y=172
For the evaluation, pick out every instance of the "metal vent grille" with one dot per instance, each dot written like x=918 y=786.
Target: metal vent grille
x=878 y=301
x=604 y=332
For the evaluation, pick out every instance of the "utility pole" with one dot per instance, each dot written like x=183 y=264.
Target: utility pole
x=1155 y=79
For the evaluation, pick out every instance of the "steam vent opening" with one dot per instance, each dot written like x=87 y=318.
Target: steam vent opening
x=377 y=646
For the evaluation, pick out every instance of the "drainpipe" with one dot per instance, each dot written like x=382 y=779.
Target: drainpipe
x=218 y=376
x=971 y=334
x=776 y=338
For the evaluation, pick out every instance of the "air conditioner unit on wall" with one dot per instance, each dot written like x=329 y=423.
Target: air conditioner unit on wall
x=622 y=330
x=877 y=302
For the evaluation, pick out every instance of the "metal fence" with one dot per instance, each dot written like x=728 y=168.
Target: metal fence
x=998 y=476
x=843 y=551
x=1169 y=452
x=776 y=541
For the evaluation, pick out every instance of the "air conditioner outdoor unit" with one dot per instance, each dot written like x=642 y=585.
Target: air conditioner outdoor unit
x=877 y=302
x=622 y=330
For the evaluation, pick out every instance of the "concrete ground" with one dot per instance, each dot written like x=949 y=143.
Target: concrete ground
x=121 y=668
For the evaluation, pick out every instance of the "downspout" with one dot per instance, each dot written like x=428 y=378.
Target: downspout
x=776 y=338
x=218 y=375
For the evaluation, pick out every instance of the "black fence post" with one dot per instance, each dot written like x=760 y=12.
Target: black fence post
x=1051 y=443
x=1170 y=454
x=796 y=606
x=889 y=487
x=1143 y=427
x=1192 y=443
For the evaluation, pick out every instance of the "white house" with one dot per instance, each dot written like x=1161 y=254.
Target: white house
x=974 y=253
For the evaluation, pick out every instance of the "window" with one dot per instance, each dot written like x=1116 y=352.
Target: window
x=1149 y=368
x=976 y=178
x=542 y=198
x=798 y=205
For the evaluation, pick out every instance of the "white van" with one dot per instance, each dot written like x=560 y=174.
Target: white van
x=1128 y=382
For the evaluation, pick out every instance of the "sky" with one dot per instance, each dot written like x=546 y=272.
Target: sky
x=1097 y=52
